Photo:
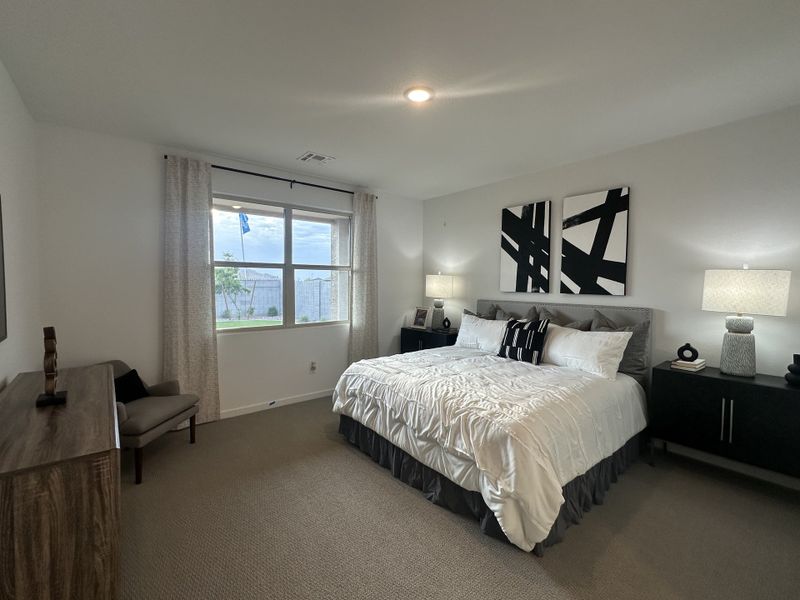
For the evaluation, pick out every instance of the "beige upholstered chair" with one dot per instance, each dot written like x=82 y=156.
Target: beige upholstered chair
x=141 y=421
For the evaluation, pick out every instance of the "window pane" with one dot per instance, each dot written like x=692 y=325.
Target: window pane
x=249 y=235
x=321 y=295
x=320 y=238
x=248 y=297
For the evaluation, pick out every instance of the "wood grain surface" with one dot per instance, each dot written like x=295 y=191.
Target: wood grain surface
x=59 y=489
x=31 y=437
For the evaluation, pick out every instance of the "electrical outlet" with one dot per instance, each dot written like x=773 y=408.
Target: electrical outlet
x=312 y=366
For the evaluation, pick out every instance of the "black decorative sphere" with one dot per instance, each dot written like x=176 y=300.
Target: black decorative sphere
x=687 y=352
x=446 y=323
x=793 y=376
x=793 y=380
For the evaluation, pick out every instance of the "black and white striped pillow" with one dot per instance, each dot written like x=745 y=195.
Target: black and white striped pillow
x=524 y=340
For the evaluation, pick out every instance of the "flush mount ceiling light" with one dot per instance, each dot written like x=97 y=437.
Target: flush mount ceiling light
x=418 y=94
x=236 y=207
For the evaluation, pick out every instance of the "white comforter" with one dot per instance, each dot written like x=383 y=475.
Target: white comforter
x=513 y=431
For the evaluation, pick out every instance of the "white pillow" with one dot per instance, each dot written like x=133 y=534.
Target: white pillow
x=597 y=352
x=480 y=333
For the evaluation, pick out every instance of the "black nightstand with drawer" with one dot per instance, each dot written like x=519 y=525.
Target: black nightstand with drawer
x=753 y=420
x=412 y=339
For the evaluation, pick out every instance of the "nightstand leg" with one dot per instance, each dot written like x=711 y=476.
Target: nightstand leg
x=652 y=452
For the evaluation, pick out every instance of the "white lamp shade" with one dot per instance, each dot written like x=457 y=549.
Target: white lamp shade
x=439 y=286
x=747 y=291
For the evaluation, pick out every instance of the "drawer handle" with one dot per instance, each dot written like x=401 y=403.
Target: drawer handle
x=722 y=422
x=730 y=428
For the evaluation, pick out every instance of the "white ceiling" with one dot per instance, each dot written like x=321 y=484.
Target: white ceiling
x=521 y=85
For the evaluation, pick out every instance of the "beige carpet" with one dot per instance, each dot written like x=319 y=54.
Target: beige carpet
x=276 y=505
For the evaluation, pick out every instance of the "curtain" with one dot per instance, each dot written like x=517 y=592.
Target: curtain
x=364 y=299
x=190 y=342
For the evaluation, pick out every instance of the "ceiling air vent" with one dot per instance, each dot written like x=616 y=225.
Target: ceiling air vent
x=315 y=159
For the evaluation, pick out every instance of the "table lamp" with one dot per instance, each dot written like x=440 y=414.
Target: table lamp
x=438 y=287
x=740 y=291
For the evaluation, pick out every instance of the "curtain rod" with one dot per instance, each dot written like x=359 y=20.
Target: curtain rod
x=291 y=182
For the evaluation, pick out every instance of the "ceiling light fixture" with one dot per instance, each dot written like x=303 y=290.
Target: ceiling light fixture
x=418 y=94
x=236 y=207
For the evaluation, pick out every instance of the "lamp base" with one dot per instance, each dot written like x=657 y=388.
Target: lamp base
x=739 y=324
x=738 y=354
x=438 y=317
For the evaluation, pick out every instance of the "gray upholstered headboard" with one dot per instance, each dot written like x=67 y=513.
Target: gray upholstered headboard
x=621 y=315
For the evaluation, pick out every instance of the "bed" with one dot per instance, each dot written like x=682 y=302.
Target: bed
x=525 y=449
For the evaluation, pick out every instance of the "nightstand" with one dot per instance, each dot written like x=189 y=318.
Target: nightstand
x=412 y=339
x=754 y=420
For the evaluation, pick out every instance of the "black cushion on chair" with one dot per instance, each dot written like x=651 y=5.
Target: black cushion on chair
x=130 y=387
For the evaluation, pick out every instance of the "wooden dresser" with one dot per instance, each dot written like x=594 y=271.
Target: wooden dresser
x=59 y=488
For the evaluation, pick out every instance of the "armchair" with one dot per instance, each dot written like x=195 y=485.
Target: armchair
x=141 y=421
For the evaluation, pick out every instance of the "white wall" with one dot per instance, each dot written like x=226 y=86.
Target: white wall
x=100 y=226
x=259 y=369
x=710 y=199
x=101 y=219
x=400 y=277
x=22 y=350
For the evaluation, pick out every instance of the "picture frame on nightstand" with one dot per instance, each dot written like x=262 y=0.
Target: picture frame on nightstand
x=423 y=316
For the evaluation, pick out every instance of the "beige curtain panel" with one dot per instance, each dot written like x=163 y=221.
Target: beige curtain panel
x=364 y=299
x=190 y=342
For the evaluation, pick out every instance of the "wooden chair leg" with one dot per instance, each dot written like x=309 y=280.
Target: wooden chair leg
x=192 y=428
x=137 y=460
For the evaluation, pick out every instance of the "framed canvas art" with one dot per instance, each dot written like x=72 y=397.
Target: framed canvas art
x=525 y=248
x=594 y=243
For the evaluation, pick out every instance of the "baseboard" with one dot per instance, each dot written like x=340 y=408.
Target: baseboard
x=268 y=404
x=725 y=463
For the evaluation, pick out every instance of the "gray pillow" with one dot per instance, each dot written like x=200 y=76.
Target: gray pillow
x=532 y=314
x=491 y=312
x=561 y=320
x=634 y=359
x=505 y=316
x=495 y=313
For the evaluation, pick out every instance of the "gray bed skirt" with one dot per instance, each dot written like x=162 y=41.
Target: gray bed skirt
x=579 y=494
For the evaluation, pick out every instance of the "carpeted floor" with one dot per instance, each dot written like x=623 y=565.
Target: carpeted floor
x=276 y=505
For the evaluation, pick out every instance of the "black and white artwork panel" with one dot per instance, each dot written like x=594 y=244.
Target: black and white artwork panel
x=594 y=243
x=525 y=248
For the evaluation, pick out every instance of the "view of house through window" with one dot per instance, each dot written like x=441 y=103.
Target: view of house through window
x=261 y=281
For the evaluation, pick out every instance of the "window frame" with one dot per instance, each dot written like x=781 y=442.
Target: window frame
x=287 y=267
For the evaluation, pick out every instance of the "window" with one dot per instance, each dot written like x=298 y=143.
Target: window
x=279 y=266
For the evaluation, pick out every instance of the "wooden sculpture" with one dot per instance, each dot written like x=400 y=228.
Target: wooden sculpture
x=51 y=396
